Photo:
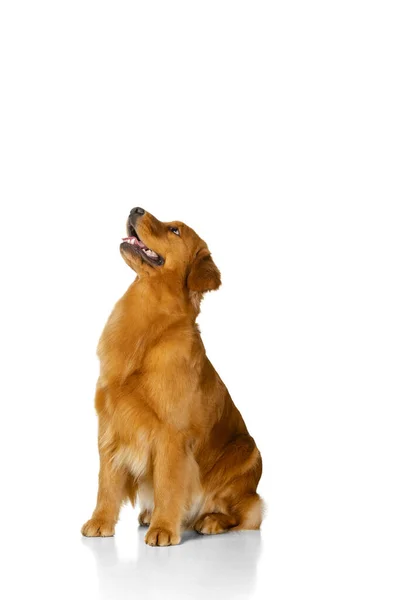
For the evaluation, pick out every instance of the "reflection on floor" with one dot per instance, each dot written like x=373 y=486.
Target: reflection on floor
x=222 y=566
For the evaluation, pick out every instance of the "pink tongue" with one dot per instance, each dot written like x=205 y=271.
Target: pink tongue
x=137 y=242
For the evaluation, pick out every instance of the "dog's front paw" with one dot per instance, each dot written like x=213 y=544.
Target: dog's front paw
x=98 y=528
x=161 y=536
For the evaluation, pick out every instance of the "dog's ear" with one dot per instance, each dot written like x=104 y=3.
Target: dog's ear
x=204 y=275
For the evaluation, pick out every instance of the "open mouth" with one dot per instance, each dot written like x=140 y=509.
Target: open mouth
x=140 y=247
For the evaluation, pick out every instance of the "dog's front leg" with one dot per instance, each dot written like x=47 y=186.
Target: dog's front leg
x=172 y=467
x=111 y=484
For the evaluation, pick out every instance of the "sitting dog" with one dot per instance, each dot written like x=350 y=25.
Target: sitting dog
x=169 y=433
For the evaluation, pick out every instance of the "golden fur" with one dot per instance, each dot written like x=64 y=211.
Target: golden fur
x=169 y=433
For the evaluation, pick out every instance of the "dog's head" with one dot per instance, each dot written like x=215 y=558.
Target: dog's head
x=168 y=249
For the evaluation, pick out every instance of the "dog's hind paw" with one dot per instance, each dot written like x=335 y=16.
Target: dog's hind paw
x=213 y=523
x=145 y=518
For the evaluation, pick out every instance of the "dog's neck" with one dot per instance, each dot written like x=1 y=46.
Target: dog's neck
x=147 y=309
x=153 y=297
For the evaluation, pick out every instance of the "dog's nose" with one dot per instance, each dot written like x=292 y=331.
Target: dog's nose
x=137 y=211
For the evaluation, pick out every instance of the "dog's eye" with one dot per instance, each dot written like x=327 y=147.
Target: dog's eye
x=175 y=230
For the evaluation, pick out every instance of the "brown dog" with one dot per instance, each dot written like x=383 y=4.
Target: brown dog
x=169 y=432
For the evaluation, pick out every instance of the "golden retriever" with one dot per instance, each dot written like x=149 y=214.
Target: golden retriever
x=169 y=433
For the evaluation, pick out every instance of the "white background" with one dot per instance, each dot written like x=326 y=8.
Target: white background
x=276 y=130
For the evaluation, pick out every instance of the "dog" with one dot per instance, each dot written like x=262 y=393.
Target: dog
x=169 y=433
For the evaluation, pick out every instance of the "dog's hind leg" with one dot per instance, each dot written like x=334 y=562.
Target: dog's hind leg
x=230 y=486
x=249 y=512
x=212 y=523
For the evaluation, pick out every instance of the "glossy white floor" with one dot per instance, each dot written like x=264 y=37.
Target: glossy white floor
x=62 y=564
x=200 y=567
x=315 y=557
